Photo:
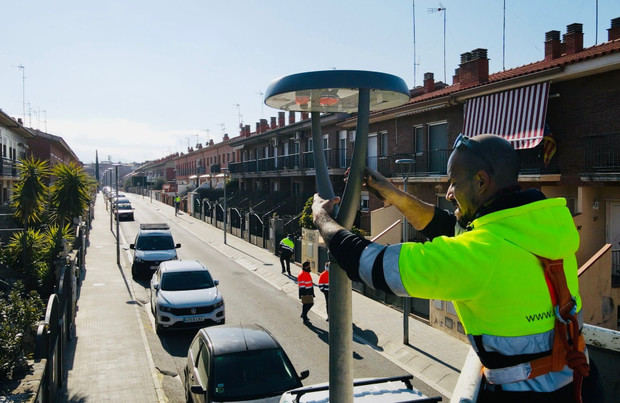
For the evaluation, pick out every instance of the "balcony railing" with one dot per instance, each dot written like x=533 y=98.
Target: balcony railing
x=335 y=159
x=9 y=168
x=602 y=153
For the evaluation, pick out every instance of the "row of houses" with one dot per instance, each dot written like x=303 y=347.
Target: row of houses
x=18 y=142
x=561 y=113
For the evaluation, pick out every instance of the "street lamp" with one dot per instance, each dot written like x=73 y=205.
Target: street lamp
x=339 y=91
x=225 y=172
x=406 y=163
x=118 y=248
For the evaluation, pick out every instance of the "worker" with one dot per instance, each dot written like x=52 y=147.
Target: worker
x=324 y=286
x=306 y=290
x=493 y=258
x=177 y=203
x=287 y=247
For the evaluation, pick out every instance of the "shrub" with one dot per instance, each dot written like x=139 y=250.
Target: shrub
x=305 y=221
x=19 y=313
x=25 y=254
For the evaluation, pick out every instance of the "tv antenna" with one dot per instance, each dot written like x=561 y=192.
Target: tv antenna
x=223 y=127
x=239 y=114
x=23 y=69
x=262 y=104
x=440 y=9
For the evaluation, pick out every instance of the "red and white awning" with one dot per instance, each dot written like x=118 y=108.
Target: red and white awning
x=517 y=115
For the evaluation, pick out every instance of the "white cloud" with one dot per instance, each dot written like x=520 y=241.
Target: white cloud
x=121 y=139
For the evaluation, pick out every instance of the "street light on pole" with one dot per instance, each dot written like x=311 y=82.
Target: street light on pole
x=339 y=91
x=118 y=248
x=225 y=172
x=405 y=162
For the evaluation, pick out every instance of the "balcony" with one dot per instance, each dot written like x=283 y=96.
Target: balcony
x=602 y=154
x=335 y=159
x=9 y=168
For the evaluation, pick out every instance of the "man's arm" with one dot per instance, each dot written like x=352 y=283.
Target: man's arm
x=419 y=213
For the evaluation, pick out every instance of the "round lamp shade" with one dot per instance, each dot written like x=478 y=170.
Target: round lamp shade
x=335 y=91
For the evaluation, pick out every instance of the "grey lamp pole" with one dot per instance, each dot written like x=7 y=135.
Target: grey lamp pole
x=111 y=200
x=118 y=249
x=406 y=300
x=224 y=171
x=339 y=91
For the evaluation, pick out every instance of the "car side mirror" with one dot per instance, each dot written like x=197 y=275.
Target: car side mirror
x=132 y=246
x=216 y=282
x=197 y=389
x=177 y=246
x=304 y=374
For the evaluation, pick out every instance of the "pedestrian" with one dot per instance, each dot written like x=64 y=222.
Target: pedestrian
x=287 y=247
x=493 y=258
x=324 y=286
x=306 y=290
x=177 y=203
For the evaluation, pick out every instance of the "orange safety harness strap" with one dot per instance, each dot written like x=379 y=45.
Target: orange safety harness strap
x=568 y=342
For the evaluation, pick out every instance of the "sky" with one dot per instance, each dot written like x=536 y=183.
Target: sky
x=140 y=79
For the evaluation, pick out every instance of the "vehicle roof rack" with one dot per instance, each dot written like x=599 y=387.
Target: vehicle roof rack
x=162 y=226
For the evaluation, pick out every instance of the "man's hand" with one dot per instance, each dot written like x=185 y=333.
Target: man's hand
x=321 y=206
x=378 y=185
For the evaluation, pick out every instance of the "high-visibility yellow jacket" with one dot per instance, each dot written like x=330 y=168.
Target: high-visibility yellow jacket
x=492 y=275
x=287 y=244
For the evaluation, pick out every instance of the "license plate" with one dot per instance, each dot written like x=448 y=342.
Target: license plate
x=194 y=319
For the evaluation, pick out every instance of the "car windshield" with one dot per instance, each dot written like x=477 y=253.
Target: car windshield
x=124 y=206
x=155 y=242
x=252 y=375
x=186 y=280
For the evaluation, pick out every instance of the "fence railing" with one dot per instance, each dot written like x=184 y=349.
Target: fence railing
x=602 y=153
x=57 y=329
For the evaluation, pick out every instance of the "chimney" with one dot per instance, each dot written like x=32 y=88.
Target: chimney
x=429 y=82
x=247 y=131
x=211 y=142
x=573 y=39
x=264 y=126
x=613 y=33
x=291 y=117
x=273 y=123
x=474 y=67
x=304 y=115
x=281 y=119
x=553 y=46
x=19 y=120
x=455 y=77
x=226 y=138
x=257 y=127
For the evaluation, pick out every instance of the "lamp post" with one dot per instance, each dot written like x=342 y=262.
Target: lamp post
x=339 y=91
x=406 y=162
x=225 y=171
x=118 y=248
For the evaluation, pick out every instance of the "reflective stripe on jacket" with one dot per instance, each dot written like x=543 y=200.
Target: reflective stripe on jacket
x=492 y=275
x=324 y=281
x=287 y=244
x=304 y=282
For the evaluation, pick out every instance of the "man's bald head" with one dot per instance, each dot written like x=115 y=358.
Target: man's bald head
x=494 y=155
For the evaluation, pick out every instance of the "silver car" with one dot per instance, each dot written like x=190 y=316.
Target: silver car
x=184 y=295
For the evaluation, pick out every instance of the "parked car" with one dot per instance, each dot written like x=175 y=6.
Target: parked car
x=153 y=245
x=125 y=210
x=238 y=363
x=184 y=295
x=371 y=390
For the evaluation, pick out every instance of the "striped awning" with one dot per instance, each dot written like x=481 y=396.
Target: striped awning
x=517 y=115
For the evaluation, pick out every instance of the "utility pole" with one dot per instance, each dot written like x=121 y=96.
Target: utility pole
x=23 y=69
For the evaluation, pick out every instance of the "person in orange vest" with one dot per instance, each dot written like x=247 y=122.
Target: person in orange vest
x=324 y=286
x=306 y=290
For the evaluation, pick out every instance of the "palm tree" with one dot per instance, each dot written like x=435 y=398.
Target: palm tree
x=70 y=193
x=30 y=191
x=25 y=253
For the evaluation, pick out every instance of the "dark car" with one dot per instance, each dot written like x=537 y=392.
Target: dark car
x=125 y=211
x=238 y=363
x=153 y=245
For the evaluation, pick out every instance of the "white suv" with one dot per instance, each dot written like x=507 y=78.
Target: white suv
x=184 y=295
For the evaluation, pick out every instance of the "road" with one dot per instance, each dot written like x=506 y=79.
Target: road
x=248 y=299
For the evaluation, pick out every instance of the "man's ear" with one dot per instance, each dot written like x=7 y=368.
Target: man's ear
x=482 y=180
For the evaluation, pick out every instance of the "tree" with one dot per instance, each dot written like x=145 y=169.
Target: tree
x=305 y=221
x=30 y=191
x=70 y=194
x=25 y=254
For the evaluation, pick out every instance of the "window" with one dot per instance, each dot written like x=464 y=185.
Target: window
x=203 y=364
x=325 y=141
x=418 y=133
x=438 y=148
x=342 y=149
x=309 y=145
x=364 y=206
x=383 y=139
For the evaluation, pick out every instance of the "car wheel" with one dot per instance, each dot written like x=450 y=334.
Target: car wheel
x=159 y=329
x=134 y=272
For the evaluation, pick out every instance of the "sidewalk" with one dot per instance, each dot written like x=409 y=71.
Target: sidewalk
x=432 y=356
x=100 y=369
